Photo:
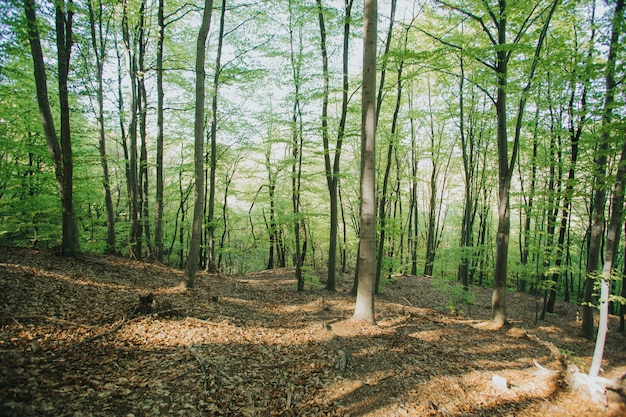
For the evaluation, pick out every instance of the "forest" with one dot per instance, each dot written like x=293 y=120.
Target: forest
x=478 y=145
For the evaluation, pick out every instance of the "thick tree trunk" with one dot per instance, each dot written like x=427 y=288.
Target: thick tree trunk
x=364 y=308
x=196 y=231
x=61 y=153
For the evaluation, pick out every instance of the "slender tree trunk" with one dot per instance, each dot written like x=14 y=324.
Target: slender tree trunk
x=413 y=221
x=158 y=205
x=610 y=252
x=364 y=308
x=599 y=194
x=296 y=142
x=432 y=231
x=194 y=245
x=211 y=265
x=98 y=44
x=468 y=170
x=133 y=187
x=144 y=219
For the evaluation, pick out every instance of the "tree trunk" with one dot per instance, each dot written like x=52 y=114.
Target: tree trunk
x=297 y=141
x=364 y=308
x=131 y=169
x=610 y=250
x=158 y=205
x=599 y=195
x=61 y=154
x=144 y=218
x=413 y=220
x=98 y=44
x=211 y=265
x=196 y=231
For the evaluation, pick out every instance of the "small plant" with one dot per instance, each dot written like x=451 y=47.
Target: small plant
x=457 y=294
x=312 y=280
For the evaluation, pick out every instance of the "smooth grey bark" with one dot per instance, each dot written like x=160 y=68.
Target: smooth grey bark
x=194 y=245
x=364 y=308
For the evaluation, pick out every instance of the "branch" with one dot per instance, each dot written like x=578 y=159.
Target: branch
x=46 y=318
x=455 y=46
x=472 y=16
x=99 y=335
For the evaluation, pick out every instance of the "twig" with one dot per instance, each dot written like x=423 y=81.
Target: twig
x=202 y=368
x=98 y=336
x=41 y=317
x=551 y=346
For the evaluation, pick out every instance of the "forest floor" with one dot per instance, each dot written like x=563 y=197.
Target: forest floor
x=74 y=343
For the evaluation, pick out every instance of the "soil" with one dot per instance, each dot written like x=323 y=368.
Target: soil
x=108 y=336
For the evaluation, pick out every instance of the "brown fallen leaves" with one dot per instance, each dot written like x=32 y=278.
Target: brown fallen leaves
x=70 y=345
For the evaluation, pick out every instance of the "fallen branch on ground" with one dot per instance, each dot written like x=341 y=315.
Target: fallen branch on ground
x=46 y=318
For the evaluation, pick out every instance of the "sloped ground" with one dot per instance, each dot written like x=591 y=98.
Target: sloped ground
x=73 y=343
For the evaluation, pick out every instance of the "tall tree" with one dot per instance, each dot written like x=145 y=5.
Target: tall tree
x=211 y=265
x=493 y=22
x=610 y=252
x=130 y=139
x=198 y=208
x=99 y=44
x=600 y=176
x=61 y=153
x=297 y=137
x=364 y=308
x=158 y=205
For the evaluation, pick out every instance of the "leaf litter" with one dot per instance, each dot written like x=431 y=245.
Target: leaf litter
x=104 y=335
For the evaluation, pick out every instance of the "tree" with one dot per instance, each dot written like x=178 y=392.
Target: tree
x=198 y=209
x=297 y=138
x=610 y=250
x=364 y=308
x=600 y=176
x=496 y=31
x=158 y=206
x=332 y=171
x=61 y=153
x=99 y=45
x=212 y=159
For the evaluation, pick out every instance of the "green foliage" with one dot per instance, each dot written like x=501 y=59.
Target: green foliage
x=457 y=294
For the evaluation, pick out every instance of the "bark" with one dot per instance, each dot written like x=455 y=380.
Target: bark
x=599 y=193
x=297 y=138
x=144 y=213
x=468 y=171
x=506 y=168
x=610 y=252
x=60 y=150
x=364 y=308
x=98 y=44
x=196 y=231
x=413 y=221
x=131 y=141
x=211 y=264
x=158 y=205
x=431 y=234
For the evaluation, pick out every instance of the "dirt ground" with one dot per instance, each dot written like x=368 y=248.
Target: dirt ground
x=76 y=341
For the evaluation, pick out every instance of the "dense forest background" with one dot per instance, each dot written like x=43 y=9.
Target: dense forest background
x=472 y=105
